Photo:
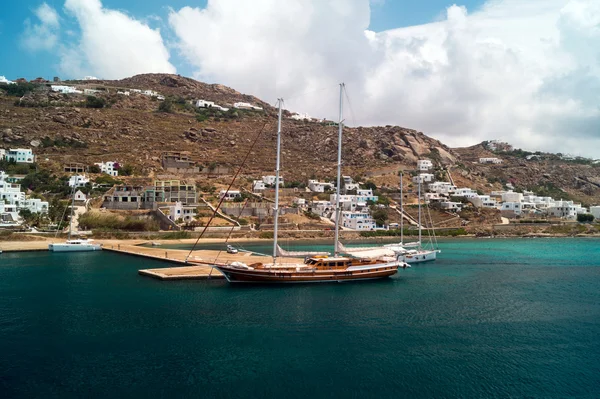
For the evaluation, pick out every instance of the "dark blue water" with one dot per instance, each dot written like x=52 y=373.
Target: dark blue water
x=490 y=318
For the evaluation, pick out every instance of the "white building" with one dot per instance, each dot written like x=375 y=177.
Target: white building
x=358 y=220
x=80 y=196
x=563 y=209
x=518 y=208
x=442 y=187
x=299 y=202
x=6 y=81
x=242 y=105
x=451 y=206
x=424 y=164
x=150 y=93
x=465 y=192
x=423 y=178
x=321 y=208
x=2 y=153
x=347 y=202
x=90 y=78
x=78 y=180
x=595 y=210
x=108 y=168
x=300 y=117
x=483 y=201
x=123 y=93
x=362 y=196
x=180 y=211
x=11 y=194
x=258 y=185
x=20 y=155
x=490 y=160
x=35 y=205
x=319 y=187
x=230 y=195
x=210 y=104
x=270 y=180
x=65 y=89
x=511 y=196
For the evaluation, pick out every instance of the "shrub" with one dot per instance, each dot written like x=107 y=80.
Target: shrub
x=94 y=102
x=585 y=217
x=166 y=106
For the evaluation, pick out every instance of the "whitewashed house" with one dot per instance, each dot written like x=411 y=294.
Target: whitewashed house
x=424 y=165
x=490 y=161
x=210 y=104
x=65 y=89
x=518 y=208
x=563 y=209
x=178 y=210
x=90 y=78
x=258 y=186
x=242 y=105
x=423 y=178
x=362 y=196
x=321 y=208
x=358 y=221
x=11 y=194
x=347 y=202
x=230 y=195
x=299 y=202
x=451 y=206
x=270 y=180
x=442 y=187
x=595 y=210
x=465 y=192
x=300 y=117
x=80 y=196
x=483 y=201
x=123 y=93
x=319 y=187
x=108 y=168
x=20 y=155
x=78 y=181
x=91 y=91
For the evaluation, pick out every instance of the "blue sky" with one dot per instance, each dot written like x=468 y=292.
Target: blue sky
x=22 y=62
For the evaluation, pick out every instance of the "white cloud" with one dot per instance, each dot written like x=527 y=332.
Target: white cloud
x=512 y=70
x=113 y=45
x=42 y=35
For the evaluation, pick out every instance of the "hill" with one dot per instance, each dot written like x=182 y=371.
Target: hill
x=130 y=130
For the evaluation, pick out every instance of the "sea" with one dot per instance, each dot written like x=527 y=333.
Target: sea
x=491 y=318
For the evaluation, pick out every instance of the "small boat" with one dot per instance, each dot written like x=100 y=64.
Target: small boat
x=231 y=249
x=76 y=245
x=156 y=244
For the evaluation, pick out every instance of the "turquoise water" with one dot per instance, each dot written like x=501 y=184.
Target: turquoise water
x=490 y=318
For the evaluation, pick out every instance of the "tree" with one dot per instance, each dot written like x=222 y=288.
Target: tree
x=585 y=217
x=126 y=170
x=369 y=185
x=166 y=106
x=380 y=216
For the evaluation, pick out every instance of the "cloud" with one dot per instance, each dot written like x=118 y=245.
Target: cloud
x=512 y=70
x=113 y=45
x=42 y=35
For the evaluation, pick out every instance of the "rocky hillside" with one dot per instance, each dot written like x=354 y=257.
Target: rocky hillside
x=131 y=130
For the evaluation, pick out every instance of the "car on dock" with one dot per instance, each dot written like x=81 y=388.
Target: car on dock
x=231 y=249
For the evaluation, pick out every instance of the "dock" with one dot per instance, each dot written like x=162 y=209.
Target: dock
x=185 y=270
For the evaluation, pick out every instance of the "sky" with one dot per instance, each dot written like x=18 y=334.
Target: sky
x=523 y=71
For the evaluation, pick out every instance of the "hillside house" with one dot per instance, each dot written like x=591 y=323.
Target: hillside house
x=75 y=167
x=465 y=192
x=230 y=195
x=424 y=165
x=563 y=209
x=20 y=155
x=123 y=93
x=177 y=211
x=78 y=181
x=595 y=210
x=441 y=187
x=483 y=201
x=109 y=168
x=511 y=196
x=91 y=92
x=258 y=186
x=301 y=203
x=80 y=196
x=512 y=209
x=497 y=145
x=319 y=187
x=11 y=194
x=495 y=161
x=124 y=197
x=363 y=196
x=423 y=178
x=65 y=89
x=301 y=117
x=90 y=78
x=270 y=180
x=451 y=206
x=321 y=208
x=242 y=105
x=361 y=221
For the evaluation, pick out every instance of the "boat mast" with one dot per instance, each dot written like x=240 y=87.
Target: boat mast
x=419 y=200
x=276 y=208
x=339 y=174
x=401 y=210
x=72 y=207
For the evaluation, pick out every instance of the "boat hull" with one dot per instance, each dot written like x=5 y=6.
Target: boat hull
x=283 y=277
x=74 y=247
x=421 y=256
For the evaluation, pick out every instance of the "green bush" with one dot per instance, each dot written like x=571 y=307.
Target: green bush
x=19 y=89
x=89 y=221
x=165 y=106
x=585 y=218
x=266 y=235
x=94 y=102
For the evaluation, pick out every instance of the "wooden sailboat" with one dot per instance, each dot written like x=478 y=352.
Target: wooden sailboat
x=316 y=268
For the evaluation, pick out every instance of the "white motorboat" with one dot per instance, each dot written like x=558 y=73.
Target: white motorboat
x=75 y=245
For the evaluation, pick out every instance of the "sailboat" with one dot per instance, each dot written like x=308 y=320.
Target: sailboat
x=315 y=269
x=75 y=245
x=413 y=252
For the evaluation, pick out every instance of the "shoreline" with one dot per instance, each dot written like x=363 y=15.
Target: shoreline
x=42 y=245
